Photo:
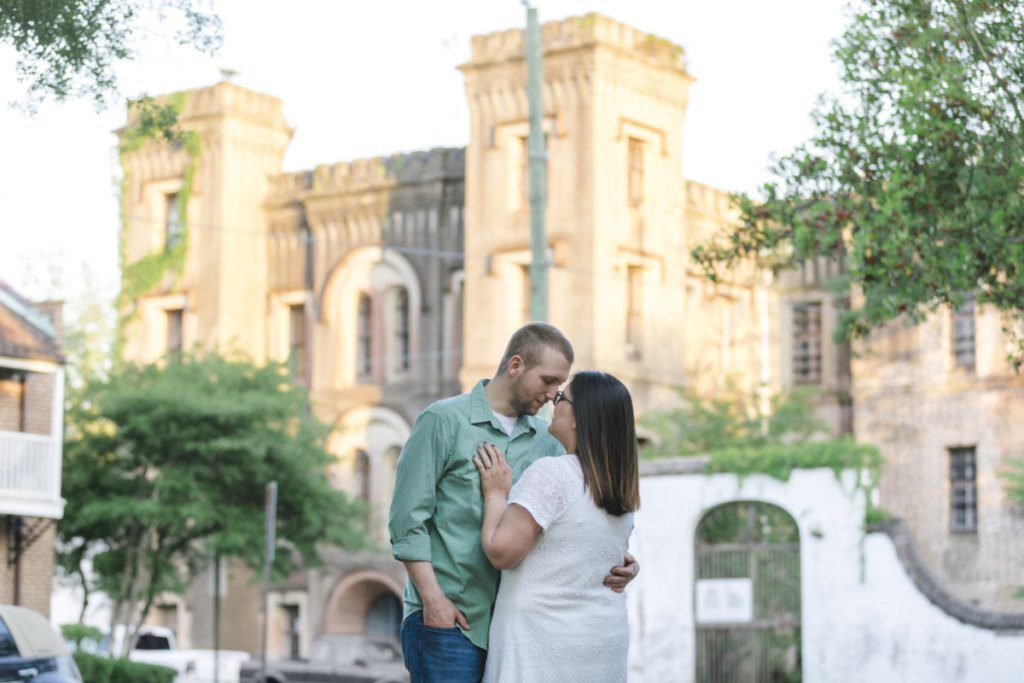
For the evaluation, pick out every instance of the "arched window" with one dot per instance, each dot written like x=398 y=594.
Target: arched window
x=362 y=475
x=401 y=331
x=364 y=361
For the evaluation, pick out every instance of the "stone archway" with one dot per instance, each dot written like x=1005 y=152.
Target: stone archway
x=366 y=602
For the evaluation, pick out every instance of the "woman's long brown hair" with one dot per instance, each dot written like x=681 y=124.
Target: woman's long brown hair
x=606 y=441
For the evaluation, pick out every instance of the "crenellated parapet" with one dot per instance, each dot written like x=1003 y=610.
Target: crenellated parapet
x=578 y=32
x=222 y=100
x=709 y=201
x=368 y=175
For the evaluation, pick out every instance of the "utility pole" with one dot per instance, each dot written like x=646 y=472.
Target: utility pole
x=216 y=617
x=268 y=562
x=538 y=159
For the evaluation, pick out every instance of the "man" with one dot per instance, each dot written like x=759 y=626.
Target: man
x=437 y=506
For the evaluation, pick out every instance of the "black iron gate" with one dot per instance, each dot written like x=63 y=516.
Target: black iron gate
x=755 y=638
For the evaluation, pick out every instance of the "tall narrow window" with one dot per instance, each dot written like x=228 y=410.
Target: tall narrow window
x=807 y=343
x=963 y=334
x=636 y=172
x=524 y=271
x=298 y=346
x=963 y=501
x=362 y=474
x=402 y=328
x=364 y=361
x=634 y=310
x=174 y=227
x=521 y=200
x=174 y=330
x=524 y=172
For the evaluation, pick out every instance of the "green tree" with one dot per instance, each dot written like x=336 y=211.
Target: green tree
x=71 y=48
x=165 y=466
x=915 y=172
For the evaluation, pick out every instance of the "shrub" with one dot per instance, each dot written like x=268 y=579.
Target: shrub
x=102 y=670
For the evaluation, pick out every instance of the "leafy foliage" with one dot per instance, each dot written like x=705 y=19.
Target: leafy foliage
x=96 y=669
x=79 y=632
x=914 y=175
x=71 y=48
x=156 y=121
x=731 y=422
x=738 y=440
x=1014 y=477
x=167 y=464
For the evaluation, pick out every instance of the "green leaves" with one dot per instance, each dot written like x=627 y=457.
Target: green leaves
x=737 y=439
x=731 y=422
x=169 y=463
x=914 y=177
x=71 y=48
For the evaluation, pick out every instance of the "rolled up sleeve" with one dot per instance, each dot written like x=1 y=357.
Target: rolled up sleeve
x=419 y=470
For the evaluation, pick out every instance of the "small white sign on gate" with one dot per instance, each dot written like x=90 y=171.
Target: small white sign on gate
x=722 y=601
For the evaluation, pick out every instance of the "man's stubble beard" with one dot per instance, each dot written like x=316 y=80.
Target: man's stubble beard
x=520 y=400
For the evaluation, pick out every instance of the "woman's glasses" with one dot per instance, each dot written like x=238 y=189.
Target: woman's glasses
x=559 y=397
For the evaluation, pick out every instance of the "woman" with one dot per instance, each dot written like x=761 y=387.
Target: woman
x=555 y=534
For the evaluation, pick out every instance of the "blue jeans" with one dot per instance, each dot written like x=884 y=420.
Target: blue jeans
x=439 y=655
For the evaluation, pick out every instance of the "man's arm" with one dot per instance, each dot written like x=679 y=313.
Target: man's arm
x=412 y=506
x=620 y=577
x=438 y=610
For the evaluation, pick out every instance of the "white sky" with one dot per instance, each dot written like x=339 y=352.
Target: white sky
x=374 y=77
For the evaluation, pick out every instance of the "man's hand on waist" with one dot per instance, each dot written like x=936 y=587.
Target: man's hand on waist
x=440 y=612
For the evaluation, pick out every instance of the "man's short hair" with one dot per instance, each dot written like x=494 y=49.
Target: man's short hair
x=529 y=342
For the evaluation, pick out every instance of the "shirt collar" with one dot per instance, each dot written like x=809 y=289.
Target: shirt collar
x=480 y=412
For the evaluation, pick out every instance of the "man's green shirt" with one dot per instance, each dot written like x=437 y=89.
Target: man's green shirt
x=437 y=507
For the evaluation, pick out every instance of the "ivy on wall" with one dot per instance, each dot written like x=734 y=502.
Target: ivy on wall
x=156 y=122
x=779 y=460
x=737 y=440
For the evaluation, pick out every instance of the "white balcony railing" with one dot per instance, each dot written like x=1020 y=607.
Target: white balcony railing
x=30 y=475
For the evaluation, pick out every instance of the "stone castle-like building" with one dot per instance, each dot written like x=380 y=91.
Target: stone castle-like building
x=393 y=282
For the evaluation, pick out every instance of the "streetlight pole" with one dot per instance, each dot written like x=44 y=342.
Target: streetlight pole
x=537 y=152
x=270 y=530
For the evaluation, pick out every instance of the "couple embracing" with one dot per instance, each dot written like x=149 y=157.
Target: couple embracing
x=476 y=492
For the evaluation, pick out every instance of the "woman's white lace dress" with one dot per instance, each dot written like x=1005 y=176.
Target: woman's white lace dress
x=554 y=620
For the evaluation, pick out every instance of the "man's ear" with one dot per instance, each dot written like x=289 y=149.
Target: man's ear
x=515 y=365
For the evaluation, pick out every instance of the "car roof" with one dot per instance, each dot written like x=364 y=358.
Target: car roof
x=32 y=633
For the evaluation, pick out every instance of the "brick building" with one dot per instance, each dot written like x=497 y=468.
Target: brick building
x=31 y=429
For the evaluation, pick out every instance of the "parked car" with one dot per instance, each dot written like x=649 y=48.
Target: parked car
x=335 y=659
x=31 y=650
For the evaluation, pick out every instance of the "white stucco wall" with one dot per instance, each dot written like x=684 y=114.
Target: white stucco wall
x=879 y=628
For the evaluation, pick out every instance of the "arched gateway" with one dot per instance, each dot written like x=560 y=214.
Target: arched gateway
x=367 y=602
x=747 y=595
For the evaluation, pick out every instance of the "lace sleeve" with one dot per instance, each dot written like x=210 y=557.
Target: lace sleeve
x=546 y=489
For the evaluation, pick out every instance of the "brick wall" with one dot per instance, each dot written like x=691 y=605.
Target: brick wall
x=38 y=402
x=34 y=396
x=10 y=404
x=36 y=568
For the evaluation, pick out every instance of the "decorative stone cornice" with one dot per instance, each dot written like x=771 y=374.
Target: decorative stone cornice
x=588 y=31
